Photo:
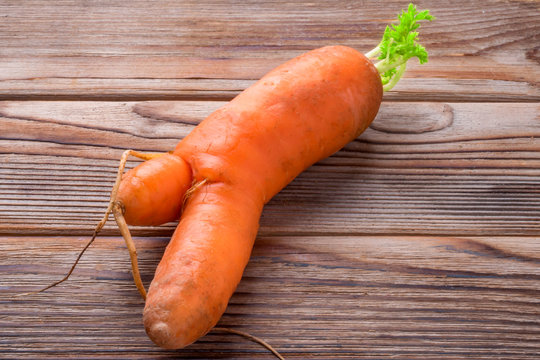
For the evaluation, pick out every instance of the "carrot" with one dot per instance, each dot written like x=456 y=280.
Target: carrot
x=220 y=176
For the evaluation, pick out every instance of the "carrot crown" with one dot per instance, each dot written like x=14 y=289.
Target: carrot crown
x=398 y=45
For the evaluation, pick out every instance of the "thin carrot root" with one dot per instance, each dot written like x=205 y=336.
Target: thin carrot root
x=194 y=187
x=124 y=230
x=116 y=208
x=69 y=272
x=251 y=338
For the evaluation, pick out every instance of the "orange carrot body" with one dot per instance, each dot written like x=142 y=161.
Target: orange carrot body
x=247 y=151
x=202 y=265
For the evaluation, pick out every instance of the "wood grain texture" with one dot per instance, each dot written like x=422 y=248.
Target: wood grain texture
x=418 y=240
x=422 y=168
x=398 y=297
x=479 y=50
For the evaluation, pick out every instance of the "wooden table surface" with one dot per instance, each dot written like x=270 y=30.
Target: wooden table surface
x=418 y=240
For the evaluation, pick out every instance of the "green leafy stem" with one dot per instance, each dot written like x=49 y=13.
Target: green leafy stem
x=398 y=45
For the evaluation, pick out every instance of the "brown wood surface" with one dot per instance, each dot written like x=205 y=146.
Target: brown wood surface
x=422 y=168
x=480 y=50
x=338 y=297
x=418 y=240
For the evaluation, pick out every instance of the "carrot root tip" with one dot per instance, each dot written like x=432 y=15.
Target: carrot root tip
x=159 y=332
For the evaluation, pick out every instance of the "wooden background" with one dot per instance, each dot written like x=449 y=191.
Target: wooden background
x=419 y=240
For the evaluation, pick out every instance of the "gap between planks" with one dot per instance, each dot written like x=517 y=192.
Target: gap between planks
x=225 y=97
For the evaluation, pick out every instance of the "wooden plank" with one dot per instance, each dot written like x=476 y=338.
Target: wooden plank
x=422 y=168
x=213 y=49
x=339 y=297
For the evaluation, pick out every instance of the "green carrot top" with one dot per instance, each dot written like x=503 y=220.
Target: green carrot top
x=398 y=45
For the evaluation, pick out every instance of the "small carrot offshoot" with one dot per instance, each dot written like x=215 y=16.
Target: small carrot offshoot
x=398 y=45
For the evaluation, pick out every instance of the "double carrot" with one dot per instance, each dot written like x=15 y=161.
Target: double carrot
x=219 y=177
x=245 y=153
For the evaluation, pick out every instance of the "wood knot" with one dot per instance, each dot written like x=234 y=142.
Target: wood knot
x=533 y=54
x=413 y=118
